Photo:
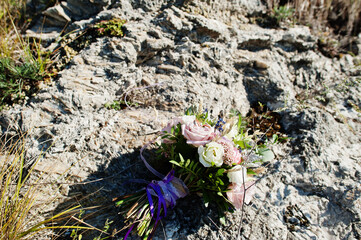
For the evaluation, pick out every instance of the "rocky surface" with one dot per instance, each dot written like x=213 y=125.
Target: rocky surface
x=192 y=52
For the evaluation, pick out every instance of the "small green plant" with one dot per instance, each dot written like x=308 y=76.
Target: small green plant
x=119 y=105
x=347 y=83
x=105 y=231
x=22 y=62
x=17 y=80
x=282 y=13
x=75 y=235
x=113 y=27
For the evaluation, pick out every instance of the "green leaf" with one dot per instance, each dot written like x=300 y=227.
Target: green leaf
x=187 y=163
x=119 y=203
x=274 y=138
x=181 y=158
x=251 y=172
x=267 y=154
x=172 y=130
x=239 y=123
x=175 y=163
x=220 y=172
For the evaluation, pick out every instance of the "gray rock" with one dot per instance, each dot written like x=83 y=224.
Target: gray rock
x=181 y=53
x=209 y=28
x=57 y=16
x=149 y=6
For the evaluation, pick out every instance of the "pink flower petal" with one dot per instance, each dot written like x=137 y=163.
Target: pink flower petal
x=236 y=194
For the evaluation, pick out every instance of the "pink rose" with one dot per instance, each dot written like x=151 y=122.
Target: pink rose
x=198 y=134
x=231 y=153
x=174 y=122
x=237 y=191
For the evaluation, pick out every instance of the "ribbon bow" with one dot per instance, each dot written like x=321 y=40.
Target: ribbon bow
x=168 y=190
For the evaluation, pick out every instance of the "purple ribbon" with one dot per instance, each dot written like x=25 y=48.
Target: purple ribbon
x=168 y=190
x=128 y=232
x=150 y=168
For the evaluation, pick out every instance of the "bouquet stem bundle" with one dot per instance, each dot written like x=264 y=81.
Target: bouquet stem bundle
x=144 y=209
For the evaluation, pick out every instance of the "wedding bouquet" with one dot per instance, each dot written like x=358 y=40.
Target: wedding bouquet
x=208 y=157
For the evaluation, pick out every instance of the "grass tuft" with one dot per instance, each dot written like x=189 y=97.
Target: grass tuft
x=23 y=64
x=12 y=14
x=20 y=195
x=343 y=16
x=281 y=13
x=17 y=80
x=16 y=198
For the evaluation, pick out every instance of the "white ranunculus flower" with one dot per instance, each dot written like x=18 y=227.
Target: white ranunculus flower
x=211 y=154
x=237 y=174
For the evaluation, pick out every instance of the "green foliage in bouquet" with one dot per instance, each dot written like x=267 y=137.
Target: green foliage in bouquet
x=208 y=181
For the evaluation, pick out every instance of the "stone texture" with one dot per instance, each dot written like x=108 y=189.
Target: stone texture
x=192 y=52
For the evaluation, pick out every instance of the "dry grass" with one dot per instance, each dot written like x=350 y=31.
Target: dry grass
x=12 y=14
x=16 y=199
x=21 y=198
x=343 y=16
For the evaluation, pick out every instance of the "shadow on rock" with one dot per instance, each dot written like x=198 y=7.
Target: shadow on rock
x=97 y=193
